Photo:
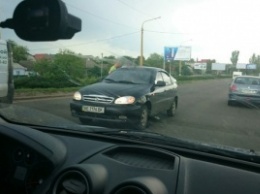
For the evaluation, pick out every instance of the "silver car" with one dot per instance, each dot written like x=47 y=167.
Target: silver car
x=244 y=90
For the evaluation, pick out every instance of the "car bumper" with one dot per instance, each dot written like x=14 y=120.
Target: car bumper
x=112 y=113
x=242 y=98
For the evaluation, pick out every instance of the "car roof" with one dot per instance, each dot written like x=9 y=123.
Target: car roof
x=248 y=76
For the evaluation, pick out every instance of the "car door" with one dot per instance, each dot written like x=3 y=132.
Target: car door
x=157 y=95
x=169 y=91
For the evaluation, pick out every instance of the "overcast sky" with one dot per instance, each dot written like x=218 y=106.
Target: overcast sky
x=213 y=28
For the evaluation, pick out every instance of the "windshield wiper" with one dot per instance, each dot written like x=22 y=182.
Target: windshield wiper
x=110 y=80
x=127 y=82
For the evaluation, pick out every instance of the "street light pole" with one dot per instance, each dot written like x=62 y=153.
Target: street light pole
x=101 y=65
x=141 y=61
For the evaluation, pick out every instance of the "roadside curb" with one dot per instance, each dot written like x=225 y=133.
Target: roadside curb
x=21 y=98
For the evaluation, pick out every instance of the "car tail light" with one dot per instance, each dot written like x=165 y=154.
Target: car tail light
x=233 y=88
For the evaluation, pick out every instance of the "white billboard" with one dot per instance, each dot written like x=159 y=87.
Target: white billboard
x=241 y=65
x=218 y=66
x=201 y=66
x=182 y=53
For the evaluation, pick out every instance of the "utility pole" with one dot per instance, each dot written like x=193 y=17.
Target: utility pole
x=101 y=69
x=141 y=61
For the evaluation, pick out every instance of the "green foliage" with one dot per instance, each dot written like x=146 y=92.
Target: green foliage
x=255 y=60
x=154 y=60
x=234 y=57
x=19 y=52
x=94 y=72
x=41 y=82
x=209 y=65
x=64 y=66
x=70 y=65
x=186 y=70
x=137 y=60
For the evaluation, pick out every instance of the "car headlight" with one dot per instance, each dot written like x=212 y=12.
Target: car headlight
x=125 y=100
x=77 y=96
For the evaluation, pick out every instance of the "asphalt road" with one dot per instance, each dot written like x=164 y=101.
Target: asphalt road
x=203 y=115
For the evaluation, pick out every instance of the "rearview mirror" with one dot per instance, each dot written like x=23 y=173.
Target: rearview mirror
x=43 y=20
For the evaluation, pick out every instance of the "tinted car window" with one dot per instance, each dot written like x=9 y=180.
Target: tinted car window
x=132 y=75
x=247 y=80
x=166 y=78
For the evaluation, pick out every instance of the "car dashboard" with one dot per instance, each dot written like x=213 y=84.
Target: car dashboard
x=63 y=162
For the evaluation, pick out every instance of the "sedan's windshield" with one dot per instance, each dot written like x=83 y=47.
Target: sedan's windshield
x=184 y=69
x=131 y=75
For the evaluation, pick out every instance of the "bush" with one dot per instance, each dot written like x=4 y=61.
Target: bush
x=39 y=82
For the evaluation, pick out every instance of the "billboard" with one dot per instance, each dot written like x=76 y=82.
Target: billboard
x=251 y=66
x=218 y=66
x=182 y=53
x=245 y=66
x=201 y=66
x=241 y=65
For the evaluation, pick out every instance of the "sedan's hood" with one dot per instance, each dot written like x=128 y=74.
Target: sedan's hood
x=116 y=89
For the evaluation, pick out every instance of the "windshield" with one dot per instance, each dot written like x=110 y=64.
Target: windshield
x=247 y=80
x=131 y=75
x=160 y=66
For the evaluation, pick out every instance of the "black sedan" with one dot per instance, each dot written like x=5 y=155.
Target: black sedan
x=129 y=94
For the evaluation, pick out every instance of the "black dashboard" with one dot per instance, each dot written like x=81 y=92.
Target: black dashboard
x=62 y=162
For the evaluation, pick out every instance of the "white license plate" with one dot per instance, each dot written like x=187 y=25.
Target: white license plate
x=249 y=91
x=94 y=109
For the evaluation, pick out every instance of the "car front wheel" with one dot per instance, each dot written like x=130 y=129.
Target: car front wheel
x=142 y=121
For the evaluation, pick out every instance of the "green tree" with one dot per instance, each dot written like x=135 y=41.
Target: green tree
x=65 y=65
x=70 y=64
x=234 y=57
x=94 y=71
x=19 y=52
x=209 y=65
x=255 y=60
x=155 y=60
x=137 y=60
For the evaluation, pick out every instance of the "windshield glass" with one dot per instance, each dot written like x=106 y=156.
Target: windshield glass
x=247 y=80
x=131 y=75
x=160 y=66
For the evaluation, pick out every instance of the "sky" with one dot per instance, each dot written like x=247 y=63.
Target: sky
x=213 y=28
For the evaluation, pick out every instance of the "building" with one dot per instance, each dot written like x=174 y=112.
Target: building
x=19 y=70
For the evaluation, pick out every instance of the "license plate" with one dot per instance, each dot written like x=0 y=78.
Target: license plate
x=94 y=109
x=249 y=91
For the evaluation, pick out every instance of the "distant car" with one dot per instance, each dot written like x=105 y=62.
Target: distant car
x=129 y=94
x=245 y=90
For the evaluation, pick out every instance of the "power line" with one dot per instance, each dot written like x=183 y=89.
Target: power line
x=160 y=32
x=92 y=42
x=98 y=16
x=133 y=8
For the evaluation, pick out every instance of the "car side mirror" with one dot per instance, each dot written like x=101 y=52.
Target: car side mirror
x=160 y=83
x=43 y=20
